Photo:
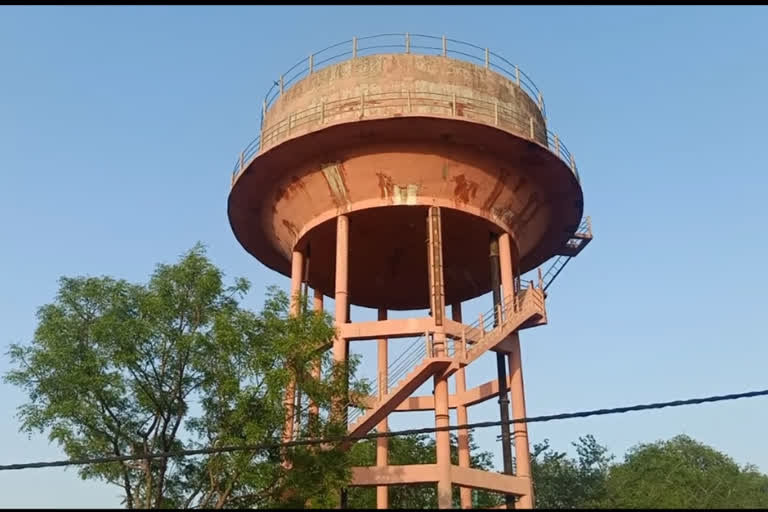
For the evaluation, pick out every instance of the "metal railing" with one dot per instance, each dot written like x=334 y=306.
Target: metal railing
x=419 y=44
x=406 y=102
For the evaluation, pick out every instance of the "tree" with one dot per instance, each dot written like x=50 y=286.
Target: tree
x=683 y=473
x=417 y=449
x=563 y=482
x=117 y=368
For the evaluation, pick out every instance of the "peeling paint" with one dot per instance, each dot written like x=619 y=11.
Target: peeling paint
x=465 y=189
x=405 y=194
x=385 y=185
x=334 y=177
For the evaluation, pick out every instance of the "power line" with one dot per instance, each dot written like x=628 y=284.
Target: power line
x=426 y=430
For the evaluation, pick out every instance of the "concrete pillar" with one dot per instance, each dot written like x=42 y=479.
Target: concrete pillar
x=522 y=452
x=461 y=416
x=342 y=315
x=342 y=282
x=437 y=305
x=316 y=369
x=382 y=443
x=297 y=268
x=507 y=269
x=443 y=444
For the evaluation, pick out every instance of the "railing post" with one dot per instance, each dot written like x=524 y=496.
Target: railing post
x=362 y=104
x=463 y=344
x=241 y=160
x=532 y=133
x=407 y=43
x=589 y=224
x=322 y=112
x=453 y=105
x=541 y=280
x=289 y=124
x=263 y=111
x=517 y=75
x=487 y=59
x=573 y=164
x=498 y=312
x=445 y=47
x=541 y=103
x=557 y=146
x=426 y=341
x=311 y=62
x=281 y=84
x=482 y=326
x=496 y=113
x=354 y=47
x=409 y=101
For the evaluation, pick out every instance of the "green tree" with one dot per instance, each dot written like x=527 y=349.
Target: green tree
x=563 y=482
x=117 y=368
x=683 y=473
x=417 y=449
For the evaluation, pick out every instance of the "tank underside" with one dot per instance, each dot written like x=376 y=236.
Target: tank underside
x=383 y=174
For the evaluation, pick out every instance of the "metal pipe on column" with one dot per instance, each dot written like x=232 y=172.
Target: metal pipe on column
x=506 y=440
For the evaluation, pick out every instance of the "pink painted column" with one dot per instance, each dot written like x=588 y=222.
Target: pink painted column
x=507 y=270
x=520 y=430
x=382 y=443
x=318 y=307
x=297 y=267
x=522 y=453
x=341 y=295
x=461 y=416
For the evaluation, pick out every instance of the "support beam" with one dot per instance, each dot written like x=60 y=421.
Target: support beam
x=521 y=429
x=382 y=443
x=342 y=316
x=506 y=441
x=437 y=303
x=465 y=493
x=314 y=410
x=297 y=270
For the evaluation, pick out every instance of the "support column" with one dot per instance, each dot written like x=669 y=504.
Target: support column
x=461 y=416
x=382 y=443
x=341 y=300
x=316 y=368
x=437 y=303
x=297 y=267
x=501 y=370
x=522 y=452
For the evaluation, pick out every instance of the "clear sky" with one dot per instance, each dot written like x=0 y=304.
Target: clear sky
x=119 y=127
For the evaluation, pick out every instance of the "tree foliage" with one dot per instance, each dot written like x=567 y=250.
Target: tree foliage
x=678 y=473
x=683 y=473
x=118 y=368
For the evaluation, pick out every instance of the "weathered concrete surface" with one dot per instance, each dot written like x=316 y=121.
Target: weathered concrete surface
x=486 y=179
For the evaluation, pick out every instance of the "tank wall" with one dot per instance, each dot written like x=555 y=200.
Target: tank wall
x=399 y=73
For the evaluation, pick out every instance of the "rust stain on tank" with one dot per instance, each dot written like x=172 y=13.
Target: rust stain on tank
x=498 y=188
x=465 y=190
x=291 y=227
x=460 y=109
x=335 y=179
x=386 y=184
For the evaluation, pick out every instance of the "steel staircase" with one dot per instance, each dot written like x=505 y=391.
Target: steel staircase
x=420 y=361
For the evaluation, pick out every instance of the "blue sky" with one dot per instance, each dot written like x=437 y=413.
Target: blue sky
x=119 y=127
